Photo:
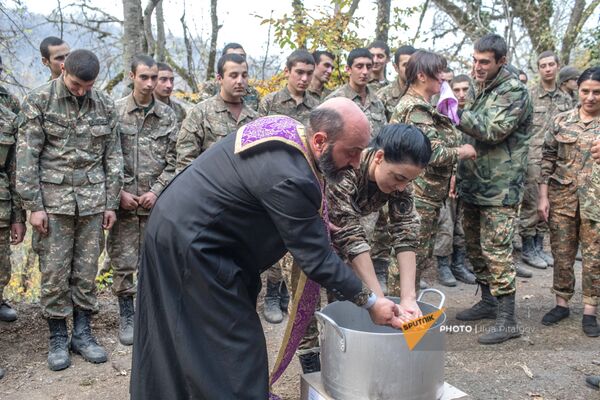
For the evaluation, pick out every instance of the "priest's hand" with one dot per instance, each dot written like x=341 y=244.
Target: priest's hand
x=384 y=312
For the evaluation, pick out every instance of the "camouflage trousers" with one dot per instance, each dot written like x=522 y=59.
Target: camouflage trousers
x=4 y=260
x=430 y=215
x=566 y=232
x=125 y=241
x=69 y=262
x=450 y=230
x=489 y=232
x=529 y=222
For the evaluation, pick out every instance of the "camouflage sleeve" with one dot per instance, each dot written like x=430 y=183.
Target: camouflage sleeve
x=351 y=239
x=496 y=122
x=30 y=141
x=404 y=220
x=113 y=162
x=441 y=155
x=17 y=214
x=190 y=139
x=549 y=153
x=264 y=107
x=171 y=159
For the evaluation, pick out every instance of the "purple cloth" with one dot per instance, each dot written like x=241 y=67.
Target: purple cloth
x=448 y=104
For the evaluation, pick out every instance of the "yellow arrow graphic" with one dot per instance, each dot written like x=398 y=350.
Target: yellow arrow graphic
x=415 y=330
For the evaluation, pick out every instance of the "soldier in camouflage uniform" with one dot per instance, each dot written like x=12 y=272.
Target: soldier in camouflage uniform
x=164 y=89
x=548 y=100
x=212 y=88
x=323 y=69
x=391 y=94
x=292 y=101
x=215 y=118
x=54 y=52
x=12 y=216
x=491 y=186
x=381 y=56
x=148 y=131
x=6 y=99
x=570 y=201
x=423 y=76
x=69 y=165
x=567 y=82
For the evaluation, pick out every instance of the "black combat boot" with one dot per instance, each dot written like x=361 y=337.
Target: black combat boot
x=381 y=267
x=445 y=276
x=522 y=272
x=7 y=313
x=458 y=267
x=486 y=308
x=126 y=313
x=539 y=247
x=272 y=310
x=310 y=362
x=58 y=348
x=505 y=327
x=284 y=297
x=530 y=255
x=82 y=340
x=555 y=315
x=590 y=325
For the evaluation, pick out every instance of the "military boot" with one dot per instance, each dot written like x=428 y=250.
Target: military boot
x=486 y=308
x=522 y=272
x=272 y=310
x=505 y=327
x=284 y=297
x=593 y=381
x=539 y=247
x=310 y=362
x=126 y=313
x=530 y=255
x=58 y=348
x=445 y=276
x=381 y=267
x=83 y=341
x=7 y=313
x=458 y=267
x=555 y=315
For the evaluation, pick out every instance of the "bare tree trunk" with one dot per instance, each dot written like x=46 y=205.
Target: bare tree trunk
x=150 y=42
x=189 y=55
x=212 y=54
x=579 y=15
x=299 y=23
x=382 y=24
x=133 y=29
x=161 y=40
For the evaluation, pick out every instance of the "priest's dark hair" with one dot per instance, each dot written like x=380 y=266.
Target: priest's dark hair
x=328 y=120
x=403 y=144
x=83 y=64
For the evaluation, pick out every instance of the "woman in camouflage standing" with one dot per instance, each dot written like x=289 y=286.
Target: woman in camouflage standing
x=569 y=199
x=431 y=188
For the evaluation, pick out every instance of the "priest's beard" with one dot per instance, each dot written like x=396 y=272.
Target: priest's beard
x=327 y=166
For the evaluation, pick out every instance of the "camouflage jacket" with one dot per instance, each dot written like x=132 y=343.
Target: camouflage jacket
x=9 y=101
x=69 y=158
x=572 y=175
x=497 y=125
x=205 y=124
x=355 y=197
x=373 y=107
x=212 y=88
x=433 y=183
x=319 y=96
x=11 y=210
x=148 y=144
x=546 y=105
x=179 y=110
x=390 y=95
x=375 y=85
x=282 y=103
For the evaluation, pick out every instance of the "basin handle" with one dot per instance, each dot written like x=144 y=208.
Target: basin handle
x=326 y=319
x=442 y=296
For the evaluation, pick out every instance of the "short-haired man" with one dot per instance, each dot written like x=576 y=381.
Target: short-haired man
x=548 y=100
x=54 y=51
x=215 y=118
x=391 y=94
x=148 y=132
x=211 y=88
x=323 y=68
x=69 y=175
x=381 y=56
x=164 y=89
x=567 y=81
x=462 y=87
x=496 y=124
x=7 y=99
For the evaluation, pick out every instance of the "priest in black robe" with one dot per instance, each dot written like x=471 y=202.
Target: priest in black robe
x=230 y=215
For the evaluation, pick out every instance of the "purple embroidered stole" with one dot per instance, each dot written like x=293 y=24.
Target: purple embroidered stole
x=306 y=294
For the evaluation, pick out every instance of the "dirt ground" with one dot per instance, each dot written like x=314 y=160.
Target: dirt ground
x=545 y=363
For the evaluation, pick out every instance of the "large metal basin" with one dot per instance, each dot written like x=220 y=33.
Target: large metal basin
x=361 y=360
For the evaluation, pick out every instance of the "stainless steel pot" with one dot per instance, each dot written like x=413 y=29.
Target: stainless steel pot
x=361 y=360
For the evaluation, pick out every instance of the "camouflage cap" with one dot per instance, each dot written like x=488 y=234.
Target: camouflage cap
x=568 y=73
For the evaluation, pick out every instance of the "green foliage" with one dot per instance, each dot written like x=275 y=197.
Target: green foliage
x=592 y=46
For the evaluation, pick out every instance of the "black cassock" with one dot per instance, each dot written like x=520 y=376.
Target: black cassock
x=213 y=230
